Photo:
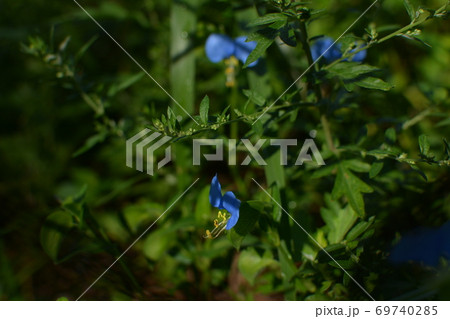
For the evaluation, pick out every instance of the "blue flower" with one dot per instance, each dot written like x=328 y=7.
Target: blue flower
x=320 y=47
x=360 y=56
x=229 y=202
x=423 y=246
x=333 y=52
x=219 y=47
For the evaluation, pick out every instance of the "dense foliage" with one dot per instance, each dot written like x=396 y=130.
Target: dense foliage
x=370 y=223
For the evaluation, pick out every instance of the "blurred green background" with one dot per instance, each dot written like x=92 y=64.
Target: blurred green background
x=45 y=120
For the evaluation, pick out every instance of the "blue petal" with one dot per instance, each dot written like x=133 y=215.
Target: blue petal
x=232 y=205
x=243 y=49
x=360 y=56
x=445 y=233
x=423 y=245
x=325 y=45
x=215 y=192
x=219 y=47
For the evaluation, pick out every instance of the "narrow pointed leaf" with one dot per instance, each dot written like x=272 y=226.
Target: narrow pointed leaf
x=352 y=188
x=204 y=109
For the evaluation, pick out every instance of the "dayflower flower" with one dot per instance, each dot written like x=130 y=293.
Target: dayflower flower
x=321 y=45
x=219 y=47
x=227 y=202
x=423 y=245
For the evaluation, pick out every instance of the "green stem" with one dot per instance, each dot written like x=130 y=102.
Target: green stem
x=304 y=40
x=98 y=109
x=234 y=132
x=389 y=36
x=412 y=25
x=327 y=131
x=416 y=119
x=323 y=117
x=234 y=102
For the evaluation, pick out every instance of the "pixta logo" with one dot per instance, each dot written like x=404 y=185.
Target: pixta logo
x=142 y=145
x=308 y=148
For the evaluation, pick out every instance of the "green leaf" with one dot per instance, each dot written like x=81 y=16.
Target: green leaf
x=356 y=165
x=446 y=148
x=445 y=122
x=287 y=35
x=85 y=47
x=55 y=227
x=159 y=241
x=264 y=38
x=346 y=264
x=255 y=97
x=124 y=83
x=204 y=109
x=411 y=37
x=383 y=153
x=91 y=142
x=374 y=83
x=171 y=118
x=268 y=18
x=359 y=228
x=62 y=299
x=288 y=268
x=276 y=180
x=249 y=213
x=183 y=20
x=352 y=187
x=333 y=250
x=74 y=204
x=410 y=9
x=375 y=169
x=274 y=170
x=424 y=145
x=338 y=220
x=251 y=263
x=140 y=214
x=351 y=70
x=324 y=171
x=418 y=170
x=390 y=135
x=203 y=207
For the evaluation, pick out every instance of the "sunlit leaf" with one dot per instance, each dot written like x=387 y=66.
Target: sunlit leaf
x=374 y=83
x=204 y=109
x=351 y=187
x=268 y=19
x=338 y=220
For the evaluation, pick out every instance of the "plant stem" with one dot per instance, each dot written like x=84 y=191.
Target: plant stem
x=323 y=117
x=98 y=109
x=416 y=119
x=389 y=36
x=304 y=40
x=327 y=131
x=233 y=102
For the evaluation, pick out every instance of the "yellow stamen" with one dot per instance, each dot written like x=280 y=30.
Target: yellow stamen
x=208 y=234
x=219 y=226
x=230 y=71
